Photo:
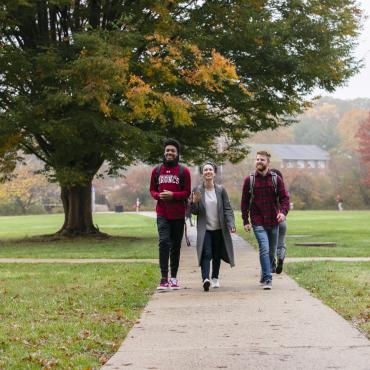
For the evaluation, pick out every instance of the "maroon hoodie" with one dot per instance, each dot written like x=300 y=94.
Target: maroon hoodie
x=169 y=180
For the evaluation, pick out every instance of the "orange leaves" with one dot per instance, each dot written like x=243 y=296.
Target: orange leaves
x=172 y=61
x=179 y=109
x=26 y=189
x=363 y=136
x=104 y=108
x=139 y=98
x=147 y=104
x=96 y=75
x=170 y=75
x=213 y=74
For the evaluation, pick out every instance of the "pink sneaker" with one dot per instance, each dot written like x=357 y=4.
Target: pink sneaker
x=174 y=284
x=163 y=285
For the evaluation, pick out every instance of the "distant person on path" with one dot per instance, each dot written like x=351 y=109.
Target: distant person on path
x=281 y=245
x=339 y=200
x=215 y=222
x=170 y=185
x=264 y=204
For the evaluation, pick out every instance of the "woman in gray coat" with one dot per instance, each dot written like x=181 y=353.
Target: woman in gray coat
x=215 y=222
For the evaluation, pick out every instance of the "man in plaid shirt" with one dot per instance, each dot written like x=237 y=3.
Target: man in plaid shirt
x=263 y=209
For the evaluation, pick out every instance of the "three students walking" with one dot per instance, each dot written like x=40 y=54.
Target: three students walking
x=264 y=204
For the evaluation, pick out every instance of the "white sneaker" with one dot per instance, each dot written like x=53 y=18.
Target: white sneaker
x=215 y=283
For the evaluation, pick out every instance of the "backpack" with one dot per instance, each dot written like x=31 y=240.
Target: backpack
x=181 y=176
x=252 y=179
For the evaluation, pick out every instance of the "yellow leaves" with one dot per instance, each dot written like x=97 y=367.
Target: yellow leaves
x=104 y=108
x=83 y=52
x=348 y=127
x=258 y=41
x=170 y=63
x=179 y=109
x=147 y=104
x=158 y=38
x=170 y=71
x=8 y=143
x=99 y=76
x=214 y=74
x=161 y=71
x=137 y=95
x=26 y=188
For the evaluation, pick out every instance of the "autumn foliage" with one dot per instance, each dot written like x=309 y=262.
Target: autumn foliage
x=84 y=83
x=363 y=136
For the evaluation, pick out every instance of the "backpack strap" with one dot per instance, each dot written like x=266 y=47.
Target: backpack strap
x=157 y=173
x=252 y=180
x=274 y=181
x=182 y=177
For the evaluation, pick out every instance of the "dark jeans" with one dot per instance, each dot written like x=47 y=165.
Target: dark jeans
x=211 y=251
x=170 y=235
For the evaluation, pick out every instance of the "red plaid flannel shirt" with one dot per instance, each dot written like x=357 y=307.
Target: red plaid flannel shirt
x=265 y=205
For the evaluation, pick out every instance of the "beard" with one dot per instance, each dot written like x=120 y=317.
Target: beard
x=172 y=162
x=261 y=167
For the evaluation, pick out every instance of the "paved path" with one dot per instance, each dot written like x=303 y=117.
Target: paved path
x=239 y=326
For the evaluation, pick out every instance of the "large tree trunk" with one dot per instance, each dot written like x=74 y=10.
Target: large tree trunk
x=78 y=212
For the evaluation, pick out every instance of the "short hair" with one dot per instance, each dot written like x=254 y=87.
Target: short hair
x=264 y=153
x=172 y=142
x=209 y=163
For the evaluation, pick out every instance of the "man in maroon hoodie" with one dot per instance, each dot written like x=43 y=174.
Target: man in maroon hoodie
x=170 y=185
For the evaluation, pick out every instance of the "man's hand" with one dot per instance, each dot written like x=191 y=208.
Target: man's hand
x=232 y=229
x=166 y=195
x=280 y=217
x=248 y=227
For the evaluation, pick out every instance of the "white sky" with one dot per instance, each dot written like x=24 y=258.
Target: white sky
x=359 y=85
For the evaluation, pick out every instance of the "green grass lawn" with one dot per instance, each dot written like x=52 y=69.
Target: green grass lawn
x=69 y=316
x=349 y=229
x=134 y=236
x=343 y=286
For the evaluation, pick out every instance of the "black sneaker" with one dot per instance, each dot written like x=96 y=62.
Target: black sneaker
x=206 y=284
x=279 y=267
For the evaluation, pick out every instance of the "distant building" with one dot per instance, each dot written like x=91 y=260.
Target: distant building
x=296 y=156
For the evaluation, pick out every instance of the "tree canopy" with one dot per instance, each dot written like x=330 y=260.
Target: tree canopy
x=88 y=81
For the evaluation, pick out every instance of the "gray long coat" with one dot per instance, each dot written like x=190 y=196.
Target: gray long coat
x=226 y=217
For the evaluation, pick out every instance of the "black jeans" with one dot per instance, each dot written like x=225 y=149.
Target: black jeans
x=170 y=235
x=211 y=251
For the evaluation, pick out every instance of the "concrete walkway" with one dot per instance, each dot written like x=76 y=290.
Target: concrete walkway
x=239 y=326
